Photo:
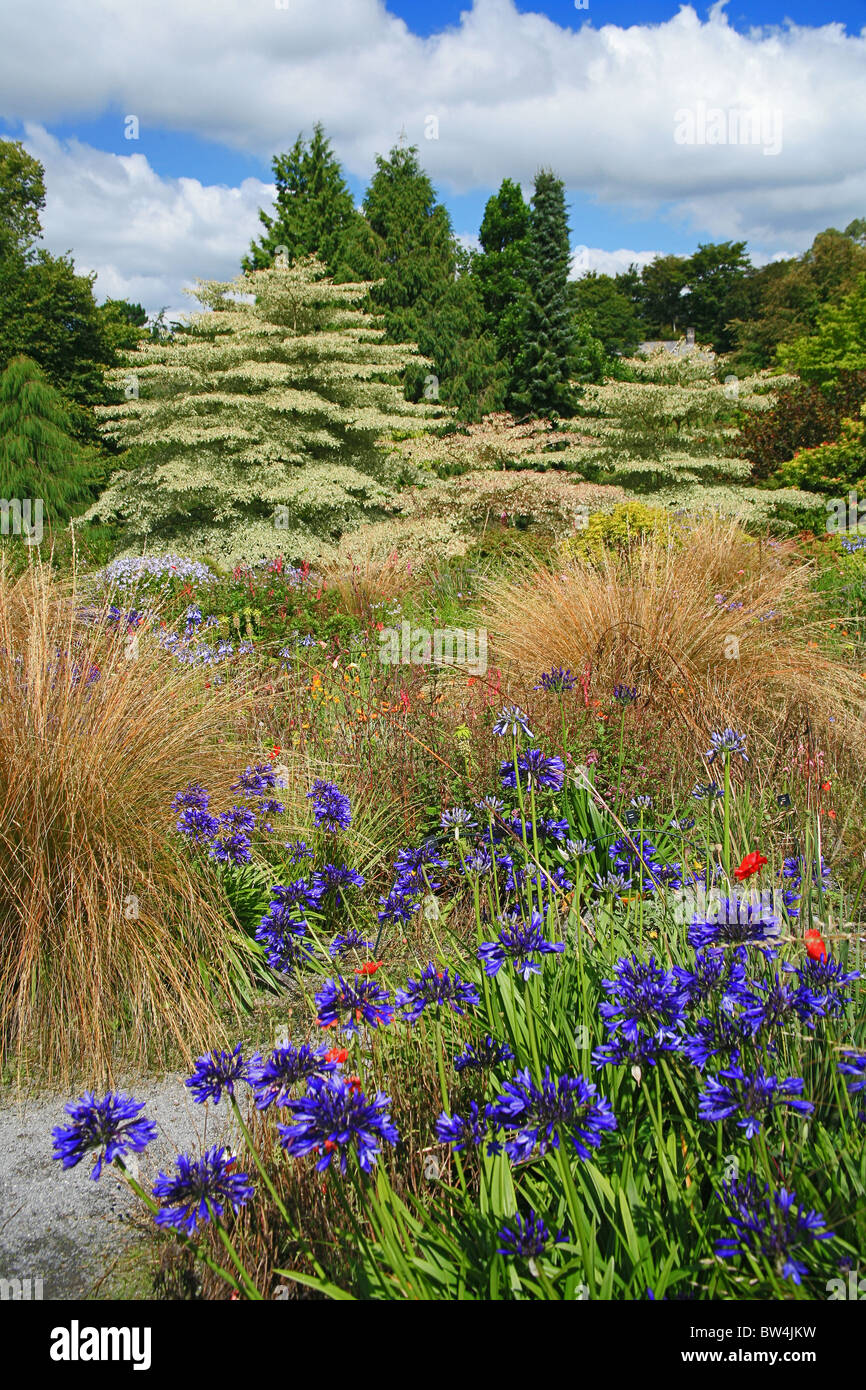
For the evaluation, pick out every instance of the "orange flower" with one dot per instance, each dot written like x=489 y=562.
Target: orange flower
x=337 y=1054
x=815 y=947
x=752 y=864
x=369 y=967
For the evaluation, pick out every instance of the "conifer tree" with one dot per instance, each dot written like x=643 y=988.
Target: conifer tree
x=541 y=379
x=39 y=456
x=256 y=431
x=501 y=269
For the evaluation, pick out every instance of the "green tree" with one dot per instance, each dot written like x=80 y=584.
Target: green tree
x=838 y=344
x=22 y=198
x=502 y=267
x=314 y=213
x=39 y=457
x=610 y=314
x=716 y=274
x=256 y=432
x=663 y=285
x=541 y=378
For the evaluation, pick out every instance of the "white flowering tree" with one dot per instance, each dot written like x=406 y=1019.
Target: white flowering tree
x=256 y=430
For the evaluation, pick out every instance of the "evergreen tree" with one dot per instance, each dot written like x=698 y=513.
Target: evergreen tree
x=501 y=270
x=314 y=212
x=541 y=378
x=609 y=313
x=39 y=458
x=256 y=431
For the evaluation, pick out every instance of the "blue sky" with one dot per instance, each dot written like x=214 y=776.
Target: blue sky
x=220 y=85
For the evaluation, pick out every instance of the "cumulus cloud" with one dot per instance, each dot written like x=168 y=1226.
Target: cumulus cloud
x=585 y=259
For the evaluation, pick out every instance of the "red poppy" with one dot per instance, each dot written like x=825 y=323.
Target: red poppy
x=337 y=1054
x=816 y=948
x=369 y=967
x=752 y=864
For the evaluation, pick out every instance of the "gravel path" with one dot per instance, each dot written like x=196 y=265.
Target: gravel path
x=63 y=1228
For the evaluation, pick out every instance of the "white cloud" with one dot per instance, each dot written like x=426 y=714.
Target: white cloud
x=588 y=258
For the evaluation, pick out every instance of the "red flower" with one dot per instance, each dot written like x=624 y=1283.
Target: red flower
x=369 y=967
x=337 y=1054
x=815 y=946
x=752 y=864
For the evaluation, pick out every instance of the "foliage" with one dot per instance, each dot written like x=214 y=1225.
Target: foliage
x=838 y=343
x=39 y=457
x=625 y=526
x=804 y=414
x=541 y=376
x=828 y=467
x=612 y=317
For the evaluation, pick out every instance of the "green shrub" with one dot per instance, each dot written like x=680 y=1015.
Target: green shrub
x=620 y=529
x=830 y=465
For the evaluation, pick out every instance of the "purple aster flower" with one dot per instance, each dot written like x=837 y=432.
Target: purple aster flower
x=460 y=1130
x=754 y=1098
x=523 y=944
x=198 y=825
x=536 y=769
x=340 y=1002
x=539 y=1116
x=330 y=807
x=728 y=743
x=335 y=1116
x=645 y=1013
x=557 y=679
x=108 y=1128
x=194 y=795
x=435 y=987
x=480 y=1056
x=770 y=1225
x=512 y=720
x=217 y=1072
x=283 y=933
x=351 y=940
x=201 y=1189
x=272 y=1080
x=527 y=1238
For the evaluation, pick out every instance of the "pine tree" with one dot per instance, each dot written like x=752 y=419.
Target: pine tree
x=541 y=378
x=502 y=268
x=39 y=457
x=256 y=431
x=314 y=212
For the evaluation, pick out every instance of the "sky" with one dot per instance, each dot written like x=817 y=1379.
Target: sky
x=670 y=124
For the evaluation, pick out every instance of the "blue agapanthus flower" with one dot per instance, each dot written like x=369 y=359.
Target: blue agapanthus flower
x=334 y=1117
x=625 y=693
x=536 y=768
x=774 y=1004
x=234 y=848
x=796 y=868
x=301 y=893
x=716 y=974
x=540 y=1116
x=523 y=944
x=644 y=1015
x=855 y=1067
x=512 y=721
x=217 y=1072
x=728 y=743
x=201 y=1189
x=752 y=1098
x=527 y=1238
x=435 y=988
x=256 y=781
x=108 y=1128
x=352 y=940
x=283 y=933
x=193 y=795
x=272 y=1080
x=735 y=922
x=482 y=1055
x=460 y=1130
x=331 y=807
x=298 y=851
x=239 y=818
x=636 y=857
x=707 y=791
x=348 y=1004
x=723 y=1035
x=198 y=825
x=415 y=858
x=770 y=1225
x=611 y=882
x=332 y=880
x=557 y=679
x=400 y=905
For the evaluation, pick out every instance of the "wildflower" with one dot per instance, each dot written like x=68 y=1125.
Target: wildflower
x=239 y=818
x=541 y=1116
x=709 y=790
x=490 y=805
x=400 y=905
x=522 y=944
x=854 y=1065
x=193 y=795
x=769 y=1225
x=527 y=1238
x=459 y=1130
x=217 y=1072
x=643 y=803
x=330 y=806
x=435 y=988
x=198 y=825
x=754 y=1098
x=351 y=940
x=235 y=848
x=369 y=967
x=298 y=850
x=458 y=820
x=771 y=1005
x=480 y=861
x=715 y=973
x=611 y=882
x=255 y=781
x=335 y=879
x=342 y=1003
x=734 y=922
x=300 y=893
x=644 y=1014
x=576 y=849
x=272 y=1080
x=825 y=980
x=512 y=720
x=479 y=1056
x=109 y=1128
x=557 y=679
x=625 y=693
x=414 y=858
x=537 y=769
x=751 y=864
x=728 y=743
x=201 y=1189
x=333 y=1117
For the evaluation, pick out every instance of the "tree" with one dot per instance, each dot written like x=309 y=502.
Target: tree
x=541 y=377
x=123 y=324
x=715 y=277
x=838 y=344
x=314 y=211
x=609 y=313
x=22 y=198
x=39 y=458
x=501 y=268
x=256 y=431
x=662 y=286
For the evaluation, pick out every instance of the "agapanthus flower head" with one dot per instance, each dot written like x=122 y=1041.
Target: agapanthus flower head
x=753 y=1098
x=193 y=616
x=256 y=780
x=401 y=903
x=435 y=989
x=217 y=1072
x=198 y=825
x=109 y=1129
x=716 y=974
x=193 y=795
x=483 y=1055
x=239 y=818
x=480 y=861
x=734 y=922
x=612 y=882
x=854 y=1066
x=490 y=806
x=724 y=1035
x=301 y=893
x=641 y=803
x=557 y=679
x=576 y=849
x=536 y=769
x=199 y=1190
x=334 y=1117
x=644 y=1014
x=774 y=1004
x=457 y=819
x=298 y=851
x=523 y=943
x=728 y=743
x=541 y=1116
x=460 y=1130
x=352 y=940
x=233 y=848
x=770 y=1225
x=625 y=693
x=332 y=880
x=512 y=721
x=414 y=858
x=283 y=933
x=707 y=791
x=527 y=1238
x=272 y=1080
x=347 y=1004
x=331 y=807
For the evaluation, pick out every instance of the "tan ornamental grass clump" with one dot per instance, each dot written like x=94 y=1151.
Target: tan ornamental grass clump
x=715 y=630
x=366 y=576
x=112 y=949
